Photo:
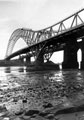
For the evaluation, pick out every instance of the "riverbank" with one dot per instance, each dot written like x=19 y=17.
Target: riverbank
x=46 y=95
x=30 y=67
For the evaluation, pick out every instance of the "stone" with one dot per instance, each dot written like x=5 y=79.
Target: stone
x=6 y=118
x=31 y=112
x=50 y=117
x=19 y=113
x=43 y=114
x=13 y=107
x=17 y=118
x=49 y=105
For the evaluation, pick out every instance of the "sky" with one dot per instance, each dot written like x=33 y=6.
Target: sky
x=33 y=14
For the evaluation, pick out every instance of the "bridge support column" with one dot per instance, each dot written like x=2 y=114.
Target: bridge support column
x=82 y=48
x=70 y=55
x=40 y=60
x=21 y=59
x=28 y=60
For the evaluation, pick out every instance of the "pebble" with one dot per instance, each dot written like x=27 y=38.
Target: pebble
x=43 y=114
x=19 y=113
x=31 y=112
x=50 y=117
x=1 y=114
x=17 y=118
x=26 y=117
x=6 y=118
x=49 y=105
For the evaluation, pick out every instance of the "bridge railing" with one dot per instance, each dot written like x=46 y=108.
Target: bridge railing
x=68 y=23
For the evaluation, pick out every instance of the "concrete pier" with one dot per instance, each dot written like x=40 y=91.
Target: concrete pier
x=40 y=60
x=70 y=55
x=28 y=60
x=82 y=48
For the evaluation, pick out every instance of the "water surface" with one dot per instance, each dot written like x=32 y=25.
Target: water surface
x=39 y=94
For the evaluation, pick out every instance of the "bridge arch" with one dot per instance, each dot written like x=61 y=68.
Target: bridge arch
x=25 y=34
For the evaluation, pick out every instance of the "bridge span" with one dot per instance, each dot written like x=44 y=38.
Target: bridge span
x=64 y=35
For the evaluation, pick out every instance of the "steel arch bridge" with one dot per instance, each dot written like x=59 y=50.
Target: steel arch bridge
x=33 y=37
x=43 y=43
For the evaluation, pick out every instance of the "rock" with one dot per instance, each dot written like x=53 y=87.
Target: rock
x=25 y=117
x=43 y=114
x=6 y=118
x=24 y=100
x=19 y=113
x=31 y=112
x=70 y=110
x=17 y=118
x=49 y=105
x=2 y=114
x=66 y=111
x=50 y=117
x=13 y=107
x=3 y=109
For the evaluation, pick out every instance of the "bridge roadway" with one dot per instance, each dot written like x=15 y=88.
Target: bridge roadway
x=66 y=40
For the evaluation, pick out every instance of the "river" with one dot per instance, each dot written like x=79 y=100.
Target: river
x=39 y=95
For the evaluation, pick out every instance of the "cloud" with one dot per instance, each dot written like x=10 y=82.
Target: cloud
x=34 y=14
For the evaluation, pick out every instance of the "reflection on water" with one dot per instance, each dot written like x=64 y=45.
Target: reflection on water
x=41 y=93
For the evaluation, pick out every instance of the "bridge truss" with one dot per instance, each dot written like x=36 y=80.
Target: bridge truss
x=32 y=37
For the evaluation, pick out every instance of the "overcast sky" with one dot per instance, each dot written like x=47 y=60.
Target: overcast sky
x=34 y=14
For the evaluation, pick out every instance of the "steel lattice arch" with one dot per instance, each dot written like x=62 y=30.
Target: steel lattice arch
x=29 y=36
x=32 y=37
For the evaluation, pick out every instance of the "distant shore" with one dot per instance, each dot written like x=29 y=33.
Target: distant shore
x=44 y=66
